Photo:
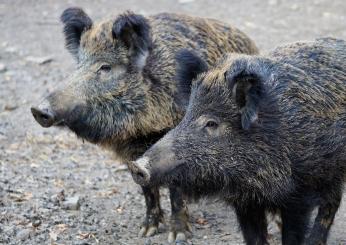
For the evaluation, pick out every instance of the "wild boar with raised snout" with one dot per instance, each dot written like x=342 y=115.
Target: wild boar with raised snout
x=124 y=95
x=264 y=133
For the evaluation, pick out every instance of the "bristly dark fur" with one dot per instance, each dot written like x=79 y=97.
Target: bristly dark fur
x=75 y=22
x=264 y=133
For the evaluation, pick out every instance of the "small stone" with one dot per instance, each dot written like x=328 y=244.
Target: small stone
x=121 y=168
x=2 y=67
x=294 y=7
x=2 y=137
x=11 y=50
x=185 y=1
x=36 y=222
x=250 y=24
x=71 y=203
x=39 y=60
x=273 y=2
x=10 y=107
x=53 y=235
x=24 y=234
x=57 y=198
x=326 y=14
x=9 y=229
x=200 y=214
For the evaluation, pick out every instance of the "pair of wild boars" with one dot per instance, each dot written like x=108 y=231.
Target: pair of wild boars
x=264 y=133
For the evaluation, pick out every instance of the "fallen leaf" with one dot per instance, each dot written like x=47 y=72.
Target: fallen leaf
x=56 y=231
x=20 y=197
x=108 y=193
x=87 y=235
x=59 y=183
x=84 y=235
x=53 y=235
x=62 y=227
x=201 y=221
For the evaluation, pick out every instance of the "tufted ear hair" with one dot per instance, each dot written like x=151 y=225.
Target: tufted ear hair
x=134 y=31
x=247 y=85
x=75 y=21
x=189 y=66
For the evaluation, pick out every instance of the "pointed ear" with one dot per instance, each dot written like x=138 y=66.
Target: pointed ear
x=75 y=21
x=247 y=92
x=134 y=31
x=189 y=66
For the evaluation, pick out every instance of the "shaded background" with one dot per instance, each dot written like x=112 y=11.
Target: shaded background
x=39 y=168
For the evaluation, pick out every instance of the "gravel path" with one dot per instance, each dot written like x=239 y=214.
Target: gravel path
x=55 y=189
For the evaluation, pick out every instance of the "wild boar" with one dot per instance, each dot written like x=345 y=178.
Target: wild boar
x=265 y=134
x=124 y=95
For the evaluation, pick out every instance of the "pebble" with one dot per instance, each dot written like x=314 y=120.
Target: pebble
x=295 y=7
x=11 y=50
x=200 y=214
x=148 y=242
x=185 y=1
x=36 y=222
x=24 y=234
x=3 y=68
x=57 y=198
x=9 y=230
x=39 y=60
x=273 y=2
x=71 y=203
x=10 y=107
x=250 y=24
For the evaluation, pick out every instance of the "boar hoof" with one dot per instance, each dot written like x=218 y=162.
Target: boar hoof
x=178 y=237
x=148 y=231
x=150 y=226
x=180 y=228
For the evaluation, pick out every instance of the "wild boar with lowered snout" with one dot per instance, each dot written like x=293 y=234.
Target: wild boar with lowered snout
x=264 y=133
x=124 y=95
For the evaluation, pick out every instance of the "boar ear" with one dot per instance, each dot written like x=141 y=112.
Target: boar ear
x=76 y=21
x=247 y=91
x=189 y=66
x=134 y=31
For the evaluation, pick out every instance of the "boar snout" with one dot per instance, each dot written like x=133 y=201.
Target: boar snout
x=156 y=163
x=44 y=114
x=140 y=172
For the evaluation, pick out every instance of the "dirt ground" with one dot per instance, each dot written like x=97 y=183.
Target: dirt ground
x=40 y=168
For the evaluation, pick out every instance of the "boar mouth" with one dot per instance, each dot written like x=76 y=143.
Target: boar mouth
x=172 y=176
x=60 y=123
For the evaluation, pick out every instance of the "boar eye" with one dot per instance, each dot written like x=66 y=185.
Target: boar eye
x=105 y=68
x=211 y=124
